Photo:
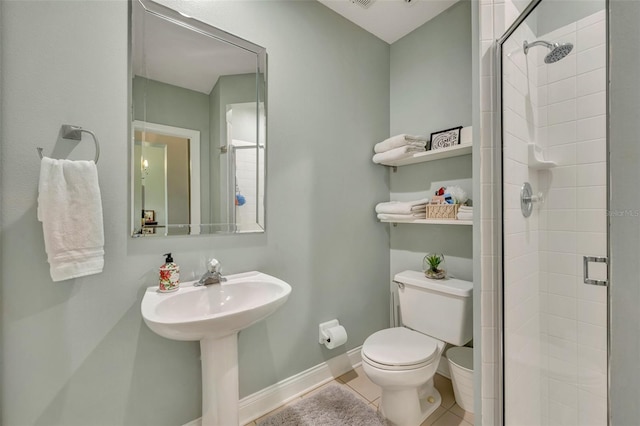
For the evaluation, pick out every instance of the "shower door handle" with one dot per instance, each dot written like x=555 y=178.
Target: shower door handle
x=585 y=263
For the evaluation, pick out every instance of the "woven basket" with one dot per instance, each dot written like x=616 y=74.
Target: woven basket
x=442 y=211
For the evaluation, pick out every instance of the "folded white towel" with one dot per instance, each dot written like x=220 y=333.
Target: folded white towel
x=400 y=140
x=389 y=216
x=465 y=216
x=465 y=208
x=70 y=209
x=402 y=207
x=397 y=154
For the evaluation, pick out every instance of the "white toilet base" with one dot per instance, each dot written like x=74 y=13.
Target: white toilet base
x=410 y=406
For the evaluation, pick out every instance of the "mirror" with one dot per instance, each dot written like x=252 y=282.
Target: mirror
x=198 y=127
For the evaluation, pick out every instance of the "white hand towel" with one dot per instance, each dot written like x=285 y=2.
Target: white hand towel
x=70 y=209
x=465 y=208
x=397 y=154
x=398 y=141
x=465 y=216
x=402 y=207
x=389 y=216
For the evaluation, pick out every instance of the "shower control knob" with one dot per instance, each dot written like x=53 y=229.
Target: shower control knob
x=527 y=199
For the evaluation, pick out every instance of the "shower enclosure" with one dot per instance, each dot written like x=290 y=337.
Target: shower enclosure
x=552 y=73
x=245 y=165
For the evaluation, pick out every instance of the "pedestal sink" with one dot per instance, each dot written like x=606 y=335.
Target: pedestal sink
x=214 y=315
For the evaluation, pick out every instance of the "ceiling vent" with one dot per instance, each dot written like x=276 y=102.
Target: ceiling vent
x=365 y=4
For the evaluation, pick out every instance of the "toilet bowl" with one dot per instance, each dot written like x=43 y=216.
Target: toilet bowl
x=403 y=360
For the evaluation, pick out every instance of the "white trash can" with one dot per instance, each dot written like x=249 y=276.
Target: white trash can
x=461 y=369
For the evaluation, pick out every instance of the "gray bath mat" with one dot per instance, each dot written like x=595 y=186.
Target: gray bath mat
x=332 y=406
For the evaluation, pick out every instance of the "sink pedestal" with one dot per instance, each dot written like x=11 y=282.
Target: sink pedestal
x=220 y=394
x=213 y=315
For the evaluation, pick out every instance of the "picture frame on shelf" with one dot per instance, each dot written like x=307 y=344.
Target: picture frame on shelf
x=149 y=215
x=445 y=138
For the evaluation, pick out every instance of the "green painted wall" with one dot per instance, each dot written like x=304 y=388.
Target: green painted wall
x=624 y=156
x=431 y=74
x=430 y=91
x=78 y=352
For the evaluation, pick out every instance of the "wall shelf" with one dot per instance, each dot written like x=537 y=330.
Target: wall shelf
x=536 y=158
x=432 y=221
x=423 y=157
x=438 y=154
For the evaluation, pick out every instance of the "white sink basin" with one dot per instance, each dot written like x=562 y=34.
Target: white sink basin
x=213 y=315
x=196 y=313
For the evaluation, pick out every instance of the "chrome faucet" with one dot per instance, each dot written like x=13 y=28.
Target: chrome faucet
x=212 y=276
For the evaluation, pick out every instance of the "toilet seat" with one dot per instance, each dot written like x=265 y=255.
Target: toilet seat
x=400 y=348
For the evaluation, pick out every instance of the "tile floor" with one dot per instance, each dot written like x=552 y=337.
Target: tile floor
x=448 y=414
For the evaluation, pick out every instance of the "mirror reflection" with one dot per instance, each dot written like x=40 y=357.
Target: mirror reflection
x=198 y=127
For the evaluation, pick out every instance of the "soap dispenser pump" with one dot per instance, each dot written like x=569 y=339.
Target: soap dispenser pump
x=169 y=275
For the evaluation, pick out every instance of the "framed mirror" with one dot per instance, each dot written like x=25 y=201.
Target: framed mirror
x=198 y=127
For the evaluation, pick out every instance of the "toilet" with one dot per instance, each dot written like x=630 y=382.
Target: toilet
x=403 y=360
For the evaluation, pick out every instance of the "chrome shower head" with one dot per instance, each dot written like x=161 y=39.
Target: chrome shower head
x=557 y=50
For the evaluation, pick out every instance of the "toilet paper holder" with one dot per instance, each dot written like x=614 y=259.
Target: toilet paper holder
x=323 y=336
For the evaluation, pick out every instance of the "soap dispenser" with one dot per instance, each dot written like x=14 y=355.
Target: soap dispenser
x=169 y=275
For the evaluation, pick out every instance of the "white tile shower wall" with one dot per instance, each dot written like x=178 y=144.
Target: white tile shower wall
x=573 y=224
x=522 y=277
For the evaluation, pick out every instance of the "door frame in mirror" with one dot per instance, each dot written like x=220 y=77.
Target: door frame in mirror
x=194 y=167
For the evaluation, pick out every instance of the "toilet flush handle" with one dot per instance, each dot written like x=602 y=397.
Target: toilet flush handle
x=400 y=285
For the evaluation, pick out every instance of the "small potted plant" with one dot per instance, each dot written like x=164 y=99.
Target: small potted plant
x=433 y=265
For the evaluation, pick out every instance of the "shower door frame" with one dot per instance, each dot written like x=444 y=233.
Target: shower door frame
x=498 y=200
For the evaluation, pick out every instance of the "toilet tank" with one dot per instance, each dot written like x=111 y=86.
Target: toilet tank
x=438 y=308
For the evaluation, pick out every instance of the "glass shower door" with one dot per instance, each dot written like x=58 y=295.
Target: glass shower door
x=554 y=186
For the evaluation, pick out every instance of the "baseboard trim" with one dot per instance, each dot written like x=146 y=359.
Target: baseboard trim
x=262 y=402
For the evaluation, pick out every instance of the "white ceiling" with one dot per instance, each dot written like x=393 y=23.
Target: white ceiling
x=390 y=20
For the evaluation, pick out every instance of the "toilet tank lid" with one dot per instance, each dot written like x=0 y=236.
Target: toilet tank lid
x=452 y=286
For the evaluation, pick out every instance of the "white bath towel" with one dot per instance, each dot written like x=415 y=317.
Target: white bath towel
x=389 y=216
x=400 y=140
x=70 y=209
x=465 y=208
x=397 y=154
x=465 y=216
x=402 y=207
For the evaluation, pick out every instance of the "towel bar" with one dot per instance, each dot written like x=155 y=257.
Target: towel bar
x=75 y=133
